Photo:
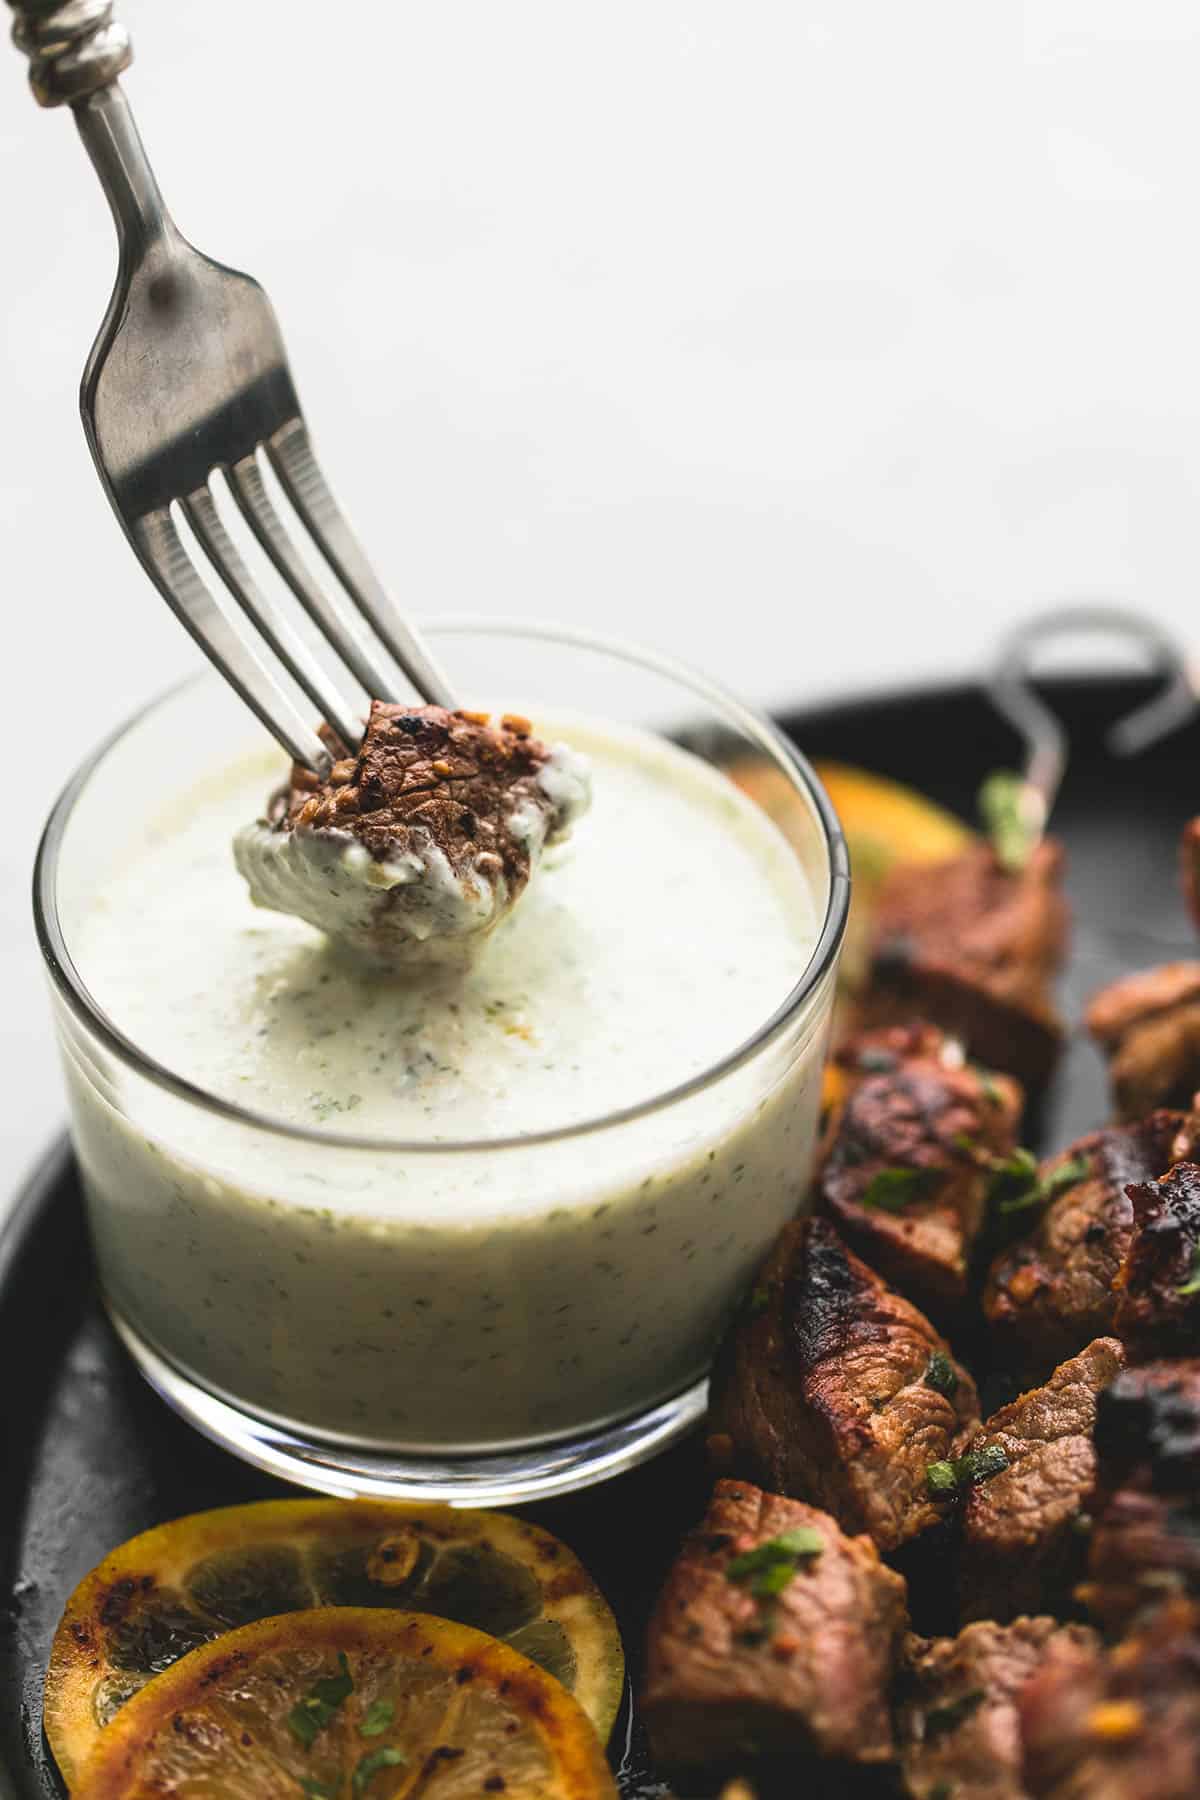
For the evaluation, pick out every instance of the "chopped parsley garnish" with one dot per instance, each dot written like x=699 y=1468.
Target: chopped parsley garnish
x=1192 y=1284
x=876 y=1061
x=311 y=1715
x=941 y=1374
x=945 y=1718
x=370 y=1765
x=1011 y=811
x=377 y=1718
x=318 y=1790
x=891 y=1190
x=769 y=1568
x=1015 y=1185
x=940 y=1478
x=758 y=1302
x=1015 y=1193
x=964 y=1471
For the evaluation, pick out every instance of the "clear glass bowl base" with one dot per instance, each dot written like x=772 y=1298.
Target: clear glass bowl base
x=505 y=1478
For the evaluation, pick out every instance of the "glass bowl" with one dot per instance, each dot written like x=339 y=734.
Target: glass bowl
x=293 y=1290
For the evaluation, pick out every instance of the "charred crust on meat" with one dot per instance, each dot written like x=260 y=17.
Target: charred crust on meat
x=1148 y=1419
x=1065 y=1283
x=823 y=1395
x=429 y=770
x=1158 y=1290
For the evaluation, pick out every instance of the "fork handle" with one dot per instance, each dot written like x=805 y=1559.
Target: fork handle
x=75 y=47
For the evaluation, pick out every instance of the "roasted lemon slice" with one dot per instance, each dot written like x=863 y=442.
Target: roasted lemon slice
x=885 y=822
x=350 y=1703
x=181 y=1585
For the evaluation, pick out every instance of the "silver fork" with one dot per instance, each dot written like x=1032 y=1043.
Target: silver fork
x=188 y=380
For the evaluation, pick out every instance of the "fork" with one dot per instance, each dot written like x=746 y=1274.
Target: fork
x=188 y=381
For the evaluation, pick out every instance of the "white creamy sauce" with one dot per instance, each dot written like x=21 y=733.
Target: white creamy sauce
x=423 y=1297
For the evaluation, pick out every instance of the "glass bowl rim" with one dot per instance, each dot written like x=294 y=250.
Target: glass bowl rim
x=72 y=988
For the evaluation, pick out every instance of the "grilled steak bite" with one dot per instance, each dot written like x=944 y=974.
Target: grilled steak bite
x=1117 y=1724
x=973 y=946
x=1148 y=1025
x=1145 y=1542
x=1022 y=1546
x=907 y=1160
x=1158 y=1300
x=774 y=1632
x=420 y=844
x=1051 y=1293
x=836 y=1390
x=1189 y=863
x=957 y=1727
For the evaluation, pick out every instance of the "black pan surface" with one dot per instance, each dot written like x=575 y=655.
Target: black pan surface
x=89 y=1456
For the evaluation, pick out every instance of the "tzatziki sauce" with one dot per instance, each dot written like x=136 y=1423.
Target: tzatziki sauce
x=446 y=1289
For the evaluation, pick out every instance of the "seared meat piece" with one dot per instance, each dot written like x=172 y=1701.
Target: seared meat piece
x=836 y=1390
x=904 y=1168
x=1146 y=1537
x=1118 y=1724
x=1158 y=1288
x=973 y=946
x=956 y=1720
x=1189 y=860
x=1021 y=1541
x=414 y=848
x=774 y=1632
x=1149 y=1026
x=1051 y=1293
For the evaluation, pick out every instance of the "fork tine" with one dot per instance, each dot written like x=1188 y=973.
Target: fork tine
x=174 y=574
x=201 y=513
x=292 y=459
x=338 y=625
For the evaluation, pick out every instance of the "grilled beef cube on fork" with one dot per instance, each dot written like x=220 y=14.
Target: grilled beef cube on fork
x=833 y=1388
x=905 y=1166
x=973 y=946
x=774 y=1633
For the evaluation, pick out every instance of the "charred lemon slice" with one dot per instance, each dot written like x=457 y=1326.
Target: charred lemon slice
x=352 y=1703
x=885 y=822
x=181 y=1585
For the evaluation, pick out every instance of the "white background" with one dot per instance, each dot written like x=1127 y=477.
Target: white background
x=811 y=339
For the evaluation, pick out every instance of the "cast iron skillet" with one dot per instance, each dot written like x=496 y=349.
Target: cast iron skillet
x=88 y=1455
